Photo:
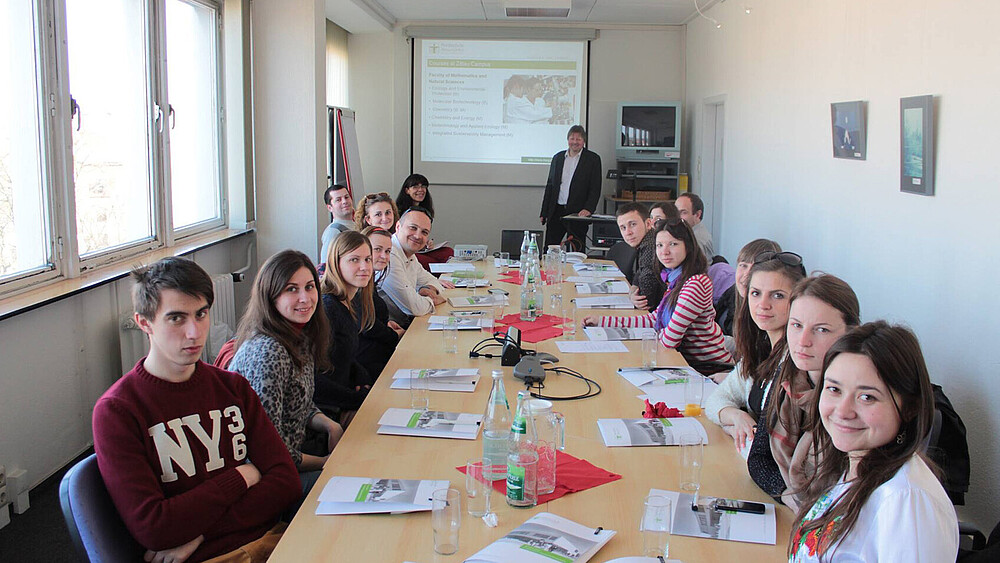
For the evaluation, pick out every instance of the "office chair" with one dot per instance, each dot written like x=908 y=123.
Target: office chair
x=94 y=525
x=622 y=254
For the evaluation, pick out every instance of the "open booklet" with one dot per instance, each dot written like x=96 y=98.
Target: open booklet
x=545 y=538
x=707 y=520
x=649 y=431
x=465 y=281
x=463 y=322
x=448 y=267
x=478 y=300
x=665 y=385
x=363 y=495
x=461 y=380
x=430 y=424
x=591 y=268
x=609 y=302
x=616 y=333
x=602 y=287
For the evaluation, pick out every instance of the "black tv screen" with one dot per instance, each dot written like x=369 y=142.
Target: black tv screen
x=649 y=126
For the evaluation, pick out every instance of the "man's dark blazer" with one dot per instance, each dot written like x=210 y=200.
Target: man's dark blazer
x=584 y=188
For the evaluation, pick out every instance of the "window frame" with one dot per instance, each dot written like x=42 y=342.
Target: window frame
x=56 y=143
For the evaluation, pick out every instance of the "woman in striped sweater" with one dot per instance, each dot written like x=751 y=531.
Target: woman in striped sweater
x=685 y=318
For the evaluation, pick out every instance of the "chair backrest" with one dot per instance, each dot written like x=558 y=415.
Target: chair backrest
x=94 y=525
x=623 y=256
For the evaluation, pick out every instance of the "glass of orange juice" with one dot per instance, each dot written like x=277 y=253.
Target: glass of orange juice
x=694 y=393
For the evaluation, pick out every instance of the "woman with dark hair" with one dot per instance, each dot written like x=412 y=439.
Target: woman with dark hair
x=874 y=496
x=347 y=287
x=661 y=211
x=377 y=210
x=738 y=403
x=280 y=342
x=685 y=317
x=416 y=193
x=823 y=308
x=377 y=344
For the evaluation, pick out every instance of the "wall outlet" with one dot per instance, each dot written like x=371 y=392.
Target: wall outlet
x=3 y=496
x=17 y=489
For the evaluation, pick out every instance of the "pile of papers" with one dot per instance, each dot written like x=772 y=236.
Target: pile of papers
x=479 y=300
x=703 y=520
x=610 y=302
x=461 y=380
x=665 y=385
x=545 y=538
x=648 y=431
x=617 y=333
x=448 y=267
x=463 y=322
x=599 y=270
x=590 y=347
x=608 y=286
x=430 y=424
x=362 y=495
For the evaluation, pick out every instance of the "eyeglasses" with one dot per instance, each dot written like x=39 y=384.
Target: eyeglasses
x=786 y=258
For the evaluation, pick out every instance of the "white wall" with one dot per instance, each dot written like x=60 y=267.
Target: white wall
x=380 y=75
x=928 y=262
x=60 y=358
x=289 y=41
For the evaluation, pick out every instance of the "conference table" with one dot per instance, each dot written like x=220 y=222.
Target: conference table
x=613 y=506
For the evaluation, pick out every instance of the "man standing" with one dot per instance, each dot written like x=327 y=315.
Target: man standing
x=692 y=210
x=190 y=459
x=636 y=228
x=341 y=205
x=413 y=290
x=573 y=187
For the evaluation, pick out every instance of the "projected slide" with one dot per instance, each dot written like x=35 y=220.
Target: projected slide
x=498 y=102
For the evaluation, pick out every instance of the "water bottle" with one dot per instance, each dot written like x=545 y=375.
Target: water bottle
x=496 y=429
x=531 y=295
x=524 y=249
x=522 y=458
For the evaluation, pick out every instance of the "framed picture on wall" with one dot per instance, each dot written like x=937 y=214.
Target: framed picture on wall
x=849 y=130
x=916 y=145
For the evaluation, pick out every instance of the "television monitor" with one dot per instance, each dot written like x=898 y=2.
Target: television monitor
x=649 y=131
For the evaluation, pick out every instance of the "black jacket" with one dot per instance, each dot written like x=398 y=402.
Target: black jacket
x=335 y=389
x=376 y=345
x=584 y=188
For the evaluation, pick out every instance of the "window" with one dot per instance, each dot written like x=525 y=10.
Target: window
x=125 y=96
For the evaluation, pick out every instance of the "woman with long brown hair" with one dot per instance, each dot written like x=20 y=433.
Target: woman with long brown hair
x=823 y=308
x=377 y=344
x=280 y=343
x=874 y=496
x=347 y=287
x=376 y=210
x=685 y=317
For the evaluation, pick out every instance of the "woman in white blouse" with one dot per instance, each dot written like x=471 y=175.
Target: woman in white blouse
x=874 y=497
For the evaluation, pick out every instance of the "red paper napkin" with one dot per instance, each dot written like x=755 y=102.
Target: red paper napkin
x=537 y=335
x=516 y=279
x=572 y=474
x=535 y=331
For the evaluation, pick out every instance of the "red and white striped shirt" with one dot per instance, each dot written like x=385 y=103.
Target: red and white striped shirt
x=692 y=328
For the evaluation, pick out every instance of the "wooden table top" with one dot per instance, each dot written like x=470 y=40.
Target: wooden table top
x=614 y=506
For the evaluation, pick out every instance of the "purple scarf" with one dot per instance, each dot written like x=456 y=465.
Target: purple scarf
x=669 y=277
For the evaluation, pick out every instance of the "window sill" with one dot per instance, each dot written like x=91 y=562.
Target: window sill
x=61 y=289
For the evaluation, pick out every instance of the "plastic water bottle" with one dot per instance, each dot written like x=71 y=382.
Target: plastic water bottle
x=531 y=277
x=496 y=429
x=522 y=457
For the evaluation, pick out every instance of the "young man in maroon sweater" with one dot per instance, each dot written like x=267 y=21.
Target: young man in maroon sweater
x=188 y=454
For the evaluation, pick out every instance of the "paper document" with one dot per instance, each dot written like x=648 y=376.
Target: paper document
x=442 y=268
x=545 y=538
x=466 y=282
x=430 y=424
x=665 y=385
x=436 y=373
x=590 y=346
x=452 y=380
x=602 y=287
x=362 y=495
x=616 y=333
x=609 y=302
x=588 y=279
x=648 y=431
x=478 y=300
x=436 y=322
x=588 y=268
x=706 y=521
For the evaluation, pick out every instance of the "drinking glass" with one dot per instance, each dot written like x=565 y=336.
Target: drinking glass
x=649 y=349
x=478 y=486
x=449 y=335
x=446 y=519
x=692 y=456
x=654 y=525
x=694 y=392
x=569 y=312
x=555 y=304
x=504 y=262
x=419 y=396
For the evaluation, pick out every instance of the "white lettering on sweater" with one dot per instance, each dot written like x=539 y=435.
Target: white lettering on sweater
x=177 y=449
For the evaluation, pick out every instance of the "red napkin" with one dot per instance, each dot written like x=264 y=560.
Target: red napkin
x=539 y=334
x=572 y=474
x=535 y=331
x=516 y=279
x=661 y=410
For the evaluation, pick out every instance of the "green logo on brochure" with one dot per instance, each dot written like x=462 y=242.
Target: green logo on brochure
x=414 y=418
x=363 y=493
x=542 y=552
x=664 y=422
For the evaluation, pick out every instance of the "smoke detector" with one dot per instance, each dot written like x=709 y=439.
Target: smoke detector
x=537 y=8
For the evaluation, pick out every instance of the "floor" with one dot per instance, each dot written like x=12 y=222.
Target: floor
x=40 y=533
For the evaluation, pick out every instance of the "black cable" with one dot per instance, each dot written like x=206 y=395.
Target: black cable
x=591 y=384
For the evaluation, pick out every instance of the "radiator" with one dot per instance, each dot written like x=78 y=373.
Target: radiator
x=135 y=344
